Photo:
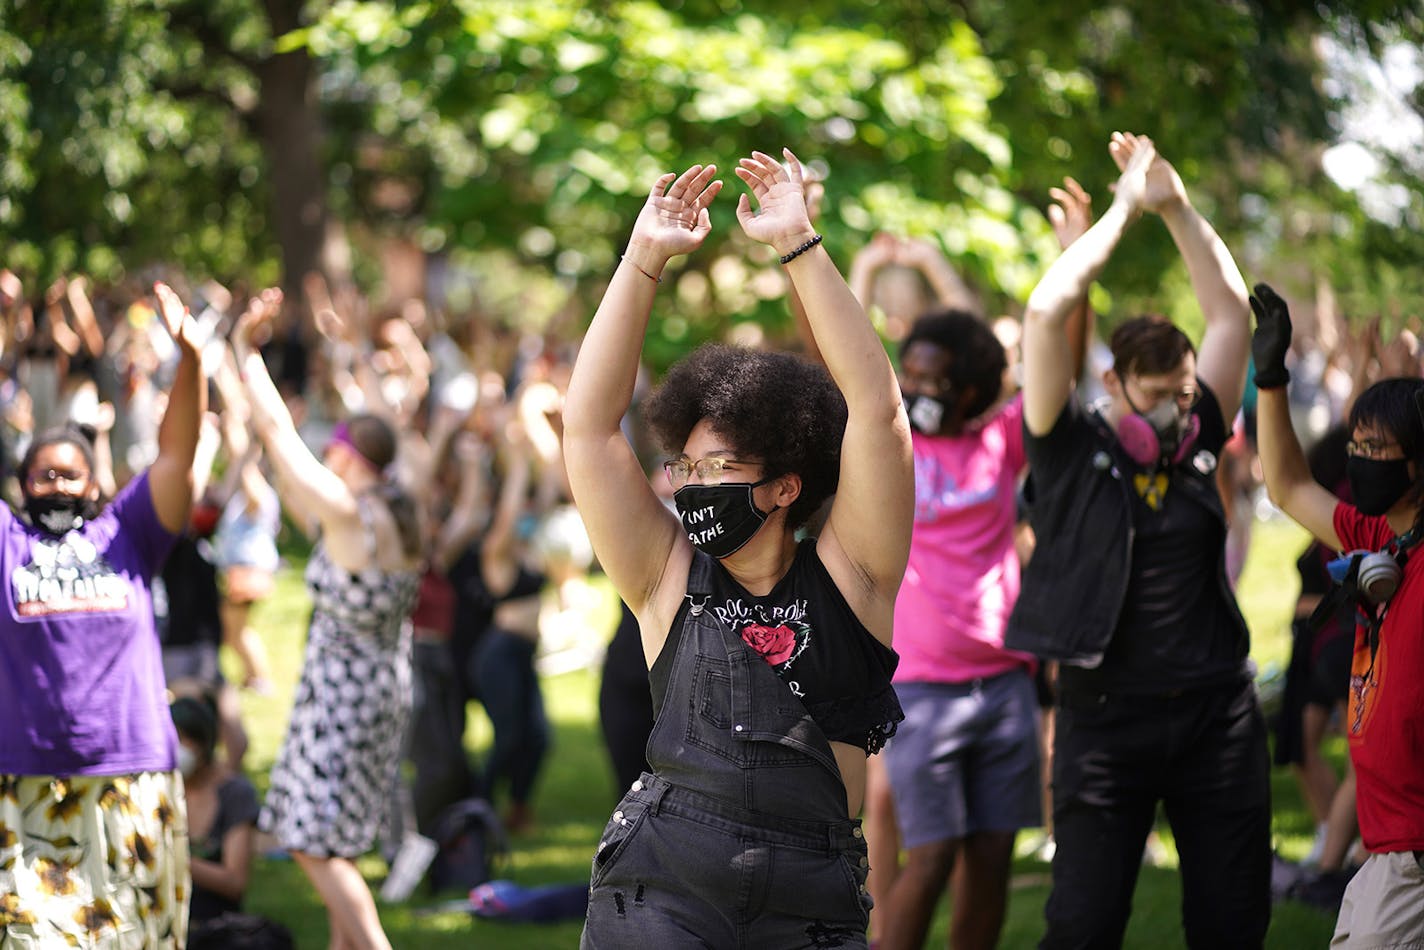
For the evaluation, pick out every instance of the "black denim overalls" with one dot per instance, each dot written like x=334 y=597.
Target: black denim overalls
x=739 y=837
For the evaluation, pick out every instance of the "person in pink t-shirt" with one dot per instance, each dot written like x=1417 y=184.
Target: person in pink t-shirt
x=964 y=766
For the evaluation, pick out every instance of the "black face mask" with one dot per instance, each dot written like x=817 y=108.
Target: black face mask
x=56 y=514
x=926 y=413
x=1377 y=484
x=720 y=519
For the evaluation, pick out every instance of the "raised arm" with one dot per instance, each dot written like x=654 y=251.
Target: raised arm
x=1288 y=479
x=498 y=550
x=945 y=282
x=1071 y=215
x=307 y=487
x=170 y=478
x=85 y=324
x=1048 y=359
x=1216 y=281
x=634 y=536
x=866 y=542
x=468 y=510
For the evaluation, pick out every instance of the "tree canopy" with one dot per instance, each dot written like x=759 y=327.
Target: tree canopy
x=517 y=140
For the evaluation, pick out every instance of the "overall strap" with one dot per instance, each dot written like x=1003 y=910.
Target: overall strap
x=699 y=581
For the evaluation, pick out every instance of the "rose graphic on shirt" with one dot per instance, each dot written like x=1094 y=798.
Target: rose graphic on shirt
x=777 y=645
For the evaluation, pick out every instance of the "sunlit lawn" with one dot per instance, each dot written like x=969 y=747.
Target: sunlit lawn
x=577 y=793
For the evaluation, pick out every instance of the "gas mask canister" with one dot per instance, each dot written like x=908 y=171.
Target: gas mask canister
x=1161 y=436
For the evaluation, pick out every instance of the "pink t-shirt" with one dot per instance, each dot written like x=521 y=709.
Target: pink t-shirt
x=963 y=575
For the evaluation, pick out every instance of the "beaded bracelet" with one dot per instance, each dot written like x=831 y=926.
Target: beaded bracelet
x=788 y=258
x=656 y=280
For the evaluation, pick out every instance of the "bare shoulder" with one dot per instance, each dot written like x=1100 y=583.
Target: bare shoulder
x=870 y=598
x=660 y=609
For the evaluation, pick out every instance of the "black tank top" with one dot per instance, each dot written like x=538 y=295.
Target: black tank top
x=809 y=635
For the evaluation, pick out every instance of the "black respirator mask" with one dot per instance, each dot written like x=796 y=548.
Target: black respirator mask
x=57 y=514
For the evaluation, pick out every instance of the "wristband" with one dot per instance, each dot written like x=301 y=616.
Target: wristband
x=788 y=258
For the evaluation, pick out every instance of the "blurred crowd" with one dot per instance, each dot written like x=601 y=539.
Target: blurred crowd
x=499 y=585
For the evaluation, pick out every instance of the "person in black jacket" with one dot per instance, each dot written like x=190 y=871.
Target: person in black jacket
x=1127 y=589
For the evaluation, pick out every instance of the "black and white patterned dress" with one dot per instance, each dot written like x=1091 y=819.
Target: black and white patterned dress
x=333 y=779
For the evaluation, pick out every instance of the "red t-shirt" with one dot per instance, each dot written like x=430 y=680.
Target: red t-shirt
x=1385 y=724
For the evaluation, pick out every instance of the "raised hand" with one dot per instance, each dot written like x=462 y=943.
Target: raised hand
x=11 y=290
x=674 y=219
x=781 y=219
x=257 y=318
x=176 y=318
x=1400 y=356
x=880 y=251
x=1163 y=188
x=1071 y=213
x=1134 y=155
x=1272 y=337
x=814 y=188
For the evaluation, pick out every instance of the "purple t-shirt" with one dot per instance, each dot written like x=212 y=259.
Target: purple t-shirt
x=81 y=679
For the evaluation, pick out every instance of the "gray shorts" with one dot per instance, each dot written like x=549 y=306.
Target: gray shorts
x=965 y=759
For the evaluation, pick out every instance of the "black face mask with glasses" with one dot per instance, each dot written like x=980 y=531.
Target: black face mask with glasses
x=1376 y=485
x=719 y=518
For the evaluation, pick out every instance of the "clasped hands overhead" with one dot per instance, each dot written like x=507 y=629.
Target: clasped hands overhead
x=675 y=218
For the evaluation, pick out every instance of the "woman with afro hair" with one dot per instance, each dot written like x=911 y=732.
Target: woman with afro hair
x=769 y=659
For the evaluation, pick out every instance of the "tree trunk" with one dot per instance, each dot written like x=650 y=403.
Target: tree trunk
x=289 y=128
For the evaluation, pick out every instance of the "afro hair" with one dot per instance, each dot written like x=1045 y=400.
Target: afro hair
x=976 y=357
x=775 y=407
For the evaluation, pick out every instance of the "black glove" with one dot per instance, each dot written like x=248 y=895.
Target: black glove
x=1271 y=339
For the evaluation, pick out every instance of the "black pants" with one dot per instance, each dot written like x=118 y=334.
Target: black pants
x=625 y=703
x=437 y=729
x=1201 y=754
x=509 y=689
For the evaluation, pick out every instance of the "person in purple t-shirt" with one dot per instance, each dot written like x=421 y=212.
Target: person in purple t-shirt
x=93 y=836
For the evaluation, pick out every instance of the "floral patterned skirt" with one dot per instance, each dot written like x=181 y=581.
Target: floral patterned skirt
x=93 y=861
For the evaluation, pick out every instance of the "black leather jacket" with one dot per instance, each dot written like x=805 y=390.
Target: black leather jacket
x=1080 y=508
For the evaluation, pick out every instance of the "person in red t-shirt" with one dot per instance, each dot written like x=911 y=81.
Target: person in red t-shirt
x=1384 y=903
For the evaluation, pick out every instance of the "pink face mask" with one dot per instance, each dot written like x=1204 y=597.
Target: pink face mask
x=1160 y=436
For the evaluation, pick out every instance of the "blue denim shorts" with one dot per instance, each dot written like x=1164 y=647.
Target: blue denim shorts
x=965 y=759
x=675 y=868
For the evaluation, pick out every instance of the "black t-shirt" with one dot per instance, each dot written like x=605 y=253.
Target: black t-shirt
x=1177 y=629
x=807 y=632
x=186 y=603
x=237 y=806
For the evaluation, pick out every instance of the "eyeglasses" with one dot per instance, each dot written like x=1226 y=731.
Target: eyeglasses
x=1186 y=398
x=46 y=477
x=1369 y=448
x=935 y=388
x=709 y=470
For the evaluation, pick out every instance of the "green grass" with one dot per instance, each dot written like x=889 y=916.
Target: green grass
x=576 y=795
